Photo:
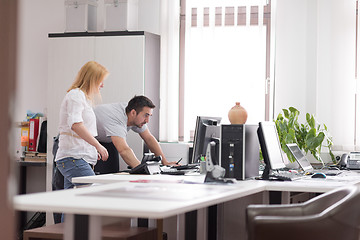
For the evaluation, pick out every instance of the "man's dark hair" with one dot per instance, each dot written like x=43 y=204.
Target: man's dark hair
x=138 y=103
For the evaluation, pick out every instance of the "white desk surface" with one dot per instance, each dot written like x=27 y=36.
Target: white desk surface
x=129 y=199
x=118 y=177
x=317 y=185
x=306 y=184
x=160 y=196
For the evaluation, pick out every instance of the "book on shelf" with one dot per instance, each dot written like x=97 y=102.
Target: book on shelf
x=34 y=157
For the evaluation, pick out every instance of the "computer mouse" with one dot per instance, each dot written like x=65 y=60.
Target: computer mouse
x=318 y=175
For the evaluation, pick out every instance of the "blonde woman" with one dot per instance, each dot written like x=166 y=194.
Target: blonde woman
x=78 y=149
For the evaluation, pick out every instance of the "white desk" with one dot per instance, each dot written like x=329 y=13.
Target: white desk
x=307 y=184
x=124 y=199
x=157 y=198
x=125 y=177
x=147 y=200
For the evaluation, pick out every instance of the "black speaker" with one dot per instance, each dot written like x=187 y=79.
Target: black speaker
x=239 y=151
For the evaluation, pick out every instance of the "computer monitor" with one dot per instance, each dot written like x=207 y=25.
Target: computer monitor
x=270 y=147
x=207 y=129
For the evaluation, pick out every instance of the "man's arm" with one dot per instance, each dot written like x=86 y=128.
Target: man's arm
x=154 y=146
x=125 y=151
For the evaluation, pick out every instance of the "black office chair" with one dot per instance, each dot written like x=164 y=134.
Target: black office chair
x=332 y=215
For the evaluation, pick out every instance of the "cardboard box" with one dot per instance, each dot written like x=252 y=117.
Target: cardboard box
x=121 y=15
x=80 y=15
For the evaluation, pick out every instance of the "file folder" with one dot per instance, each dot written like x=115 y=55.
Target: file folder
x=25 y=136
x=33 y=133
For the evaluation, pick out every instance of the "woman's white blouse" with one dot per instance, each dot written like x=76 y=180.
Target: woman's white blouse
x=76 y=108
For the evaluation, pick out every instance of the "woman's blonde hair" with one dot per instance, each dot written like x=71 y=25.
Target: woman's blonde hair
x=89 y=78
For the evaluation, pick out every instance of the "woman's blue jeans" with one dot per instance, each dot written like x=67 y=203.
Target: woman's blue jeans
x=72 y=167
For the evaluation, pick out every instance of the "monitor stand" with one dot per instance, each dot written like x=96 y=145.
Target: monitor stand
x=266 y=172
x=214 y=172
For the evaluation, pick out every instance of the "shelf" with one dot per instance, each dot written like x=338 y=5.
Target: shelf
x=27 y=163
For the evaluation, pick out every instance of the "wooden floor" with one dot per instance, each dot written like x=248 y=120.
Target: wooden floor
x=109 y=232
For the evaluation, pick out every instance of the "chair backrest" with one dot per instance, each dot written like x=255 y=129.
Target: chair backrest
x=329 y=201
x=347 y=210
x=342 y=206
x=332 y=215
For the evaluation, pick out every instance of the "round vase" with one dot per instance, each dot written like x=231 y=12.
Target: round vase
x=237 y=114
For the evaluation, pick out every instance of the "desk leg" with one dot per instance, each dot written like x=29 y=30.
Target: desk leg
x=95 y=231
x=69 y=227
x=265 y=197
x=159 y=226
x=285 y=197
x=22 y=190
x=190 y=225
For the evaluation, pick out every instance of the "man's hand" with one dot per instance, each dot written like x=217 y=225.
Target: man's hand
x=169 y=163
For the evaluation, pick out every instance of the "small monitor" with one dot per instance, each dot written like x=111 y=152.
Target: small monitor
x=270 y=146
x=207 y=129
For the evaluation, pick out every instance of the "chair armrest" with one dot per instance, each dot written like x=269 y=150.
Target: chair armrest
x=255 y=213
x=275 y=210
x=296 y=228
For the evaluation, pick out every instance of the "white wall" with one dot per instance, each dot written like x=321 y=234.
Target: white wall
x=312 y=38
x=296 y=56
x=37 y=18
x=315 y=63
x=336 y=69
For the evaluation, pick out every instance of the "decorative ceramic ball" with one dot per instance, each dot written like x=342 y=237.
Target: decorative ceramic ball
x=237 y=114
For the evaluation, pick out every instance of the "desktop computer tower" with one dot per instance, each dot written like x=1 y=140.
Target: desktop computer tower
x=239 y=150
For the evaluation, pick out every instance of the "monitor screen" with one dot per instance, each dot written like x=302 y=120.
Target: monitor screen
x=299 y=157
x=207 y=129
x=270 y=145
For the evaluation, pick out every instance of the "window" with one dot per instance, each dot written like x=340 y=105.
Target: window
x=224 y=58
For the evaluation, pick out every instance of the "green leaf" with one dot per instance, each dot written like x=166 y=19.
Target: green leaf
x=313 y=141
x=310 y=120
x=309 y=135
x=286 y=113
x=293 y=110
x=279 y=117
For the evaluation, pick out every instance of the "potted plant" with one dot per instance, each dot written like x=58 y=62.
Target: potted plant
x=310 y=136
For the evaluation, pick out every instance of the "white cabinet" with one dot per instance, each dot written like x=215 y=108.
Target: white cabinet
x=133 y=60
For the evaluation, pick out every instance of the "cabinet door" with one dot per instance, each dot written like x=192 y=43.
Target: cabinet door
x=66 y=57
x=123 y=56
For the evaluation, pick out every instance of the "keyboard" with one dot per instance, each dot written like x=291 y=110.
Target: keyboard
x=172 y=171
x=285 y=176
x=276 y=177
x=186 y=166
